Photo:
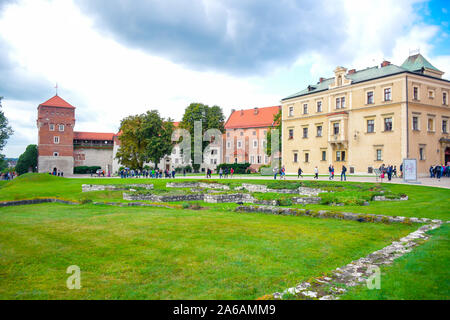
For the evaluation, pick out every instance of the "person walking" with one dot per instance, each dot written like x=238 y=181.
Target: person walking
x=300 y=171
x=389 y=172
x=329 y=172
x=332 y=172
x=231 y=173
x=275 y=172
x=316 y=173
x=220 y=173
x=344 y=170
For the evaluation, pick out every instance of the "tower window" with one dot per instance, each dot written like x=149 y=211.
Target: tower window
x=51 y=127
x=61 y=127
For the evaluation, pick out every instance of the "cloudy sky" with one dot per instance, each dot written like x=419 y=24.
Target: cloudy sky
x=113 y=58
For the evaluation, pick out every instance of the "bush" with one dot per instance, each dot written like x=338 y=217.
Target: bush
x=239 y=168
x=85 y=169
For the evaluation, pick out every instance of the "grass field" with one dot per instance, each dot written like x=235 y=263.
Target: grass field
x=214 y=253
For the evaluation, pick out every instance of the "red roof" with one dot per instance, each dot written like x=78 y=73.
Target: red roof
x=57 y=101
x=252 y=118
x=93 y=136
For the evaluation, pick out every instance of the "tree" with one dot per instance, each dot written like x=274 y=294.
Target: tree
x=276 y=127
x=145 y=137
x=27 y=160
x=158 y=133
x=5 y=130
x=211 y=118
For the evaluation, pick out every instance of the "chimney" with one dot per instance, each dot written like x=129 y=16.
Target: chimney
x=321 y=80
x=256 y=111
x=351 y=71
x=242 y=112
x=385 y=63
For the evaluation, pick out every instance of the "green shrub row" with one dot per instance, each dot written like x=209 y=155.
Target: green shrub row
x=85 y=169
x=239 y=168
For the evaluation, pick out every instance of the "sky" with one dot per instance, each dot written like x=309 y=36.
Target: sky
x=114 y=58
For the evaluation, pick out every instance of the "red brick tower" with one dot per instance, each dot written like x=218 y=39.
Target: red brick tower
x=56 y=120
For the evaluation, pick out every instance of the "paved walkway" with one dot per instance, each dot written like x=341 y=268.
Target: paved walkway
x=442 y=183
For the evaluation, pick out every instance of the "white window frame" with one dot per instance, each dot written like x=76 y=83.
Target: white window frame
x=56 y=140
x=291 y=111
x=255 y=143
x=319 y=106
x=61 y=126
x=51 y=127
x=239 y=144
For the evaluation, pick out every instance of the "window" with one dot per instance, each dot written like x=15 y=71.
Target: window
x=228 y=134
x=430 y=124
x=266 y=159
x=51 y=127
x=263 y=143
x=338 y=103
x=379 y=155
x=416 y=93
x=444 y=98
x=422 y=153
x=255 y=143
x=338 y=156
x=370 y=126
x=307 y=157
x=431 y=94
x=61 y=127
x=291 y=111
x=387 y=124
x=343 y=102
x=213 y=152
x=291 y=134
x=242 y=133
x=295 y=157
x=254 y=133
x=336 y=128
x=415 y=123
x=342 y=155
x=319 y=106
x=305 y=109
x=259 y=159
x=55 y=154
x=370 y=97
x=305 y=132
x=339 y=81
x=319 y=131
x=387 y=94
x=56 y=140
x=444 y=126
x=252 y=159
x=229 y=145
x=239 y=144
x=324 y=155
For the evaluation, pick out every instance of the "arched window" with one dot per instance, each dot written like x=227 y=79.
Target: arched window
x=339 y=81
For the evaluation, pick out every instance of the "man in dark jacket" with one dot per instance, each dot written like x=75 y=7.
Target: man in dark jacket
x=344 y=171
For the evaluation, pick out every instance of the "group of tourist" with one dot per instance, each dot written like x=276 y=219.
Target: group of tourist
x=389 y=171
x=8 y=175
x=440 y=171
x=223 y=173
x=281 y=172
x=147 y=173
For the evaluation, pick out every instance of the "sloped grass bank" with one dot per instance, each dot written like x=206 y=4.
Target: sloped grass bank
x=149 y=253
x=422 y=274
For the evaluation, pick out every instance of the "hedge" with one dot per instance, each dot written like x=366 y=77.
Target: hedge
x=85 y=169
x=239 y=168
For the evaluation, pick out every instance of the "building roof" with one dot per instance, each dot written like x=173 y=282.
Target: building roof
x=93 y=136
x=417 y=62
x=57 y=101
x=252 y=118
x=414 y=64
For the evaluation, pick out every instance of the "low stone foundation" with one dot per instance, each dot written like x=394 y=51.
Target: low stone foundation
x=229 y=198
x=158 y=198
x=33 y=201
x=197 y=185
x=304 y=191
x=330 y=214
x=118 y=187
x=383 y=198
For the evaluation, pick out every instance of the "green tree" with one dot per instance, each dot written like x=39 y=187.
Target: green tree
x=27 y=160
x=211 y=118
x=158 y=133
x=5 y=129
x=276 y=126
x=145 y=137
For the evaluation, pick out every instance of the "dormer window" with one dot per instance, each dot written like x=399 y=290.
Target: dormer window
x=339 y=81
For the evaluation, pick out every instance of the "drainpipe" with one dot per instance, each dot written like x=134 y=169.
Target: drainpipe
x=407 y=120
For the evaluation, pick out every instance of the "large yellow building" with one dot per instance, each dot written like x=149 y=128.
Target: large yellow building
x=367 y=118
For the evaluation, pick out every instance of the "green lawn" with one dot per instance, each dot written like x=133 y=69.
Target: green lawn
x=152 y=253
x=421 y=274
x=215 y=253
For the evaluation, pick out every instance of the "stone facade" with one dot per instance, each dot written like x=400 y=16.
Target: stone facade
x=158 y=198
x=197 y=185
x=115 y=187
x=362 y=119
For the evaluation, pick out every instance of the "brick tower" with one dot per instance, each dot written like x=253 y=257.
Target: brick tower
x=56 y=120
